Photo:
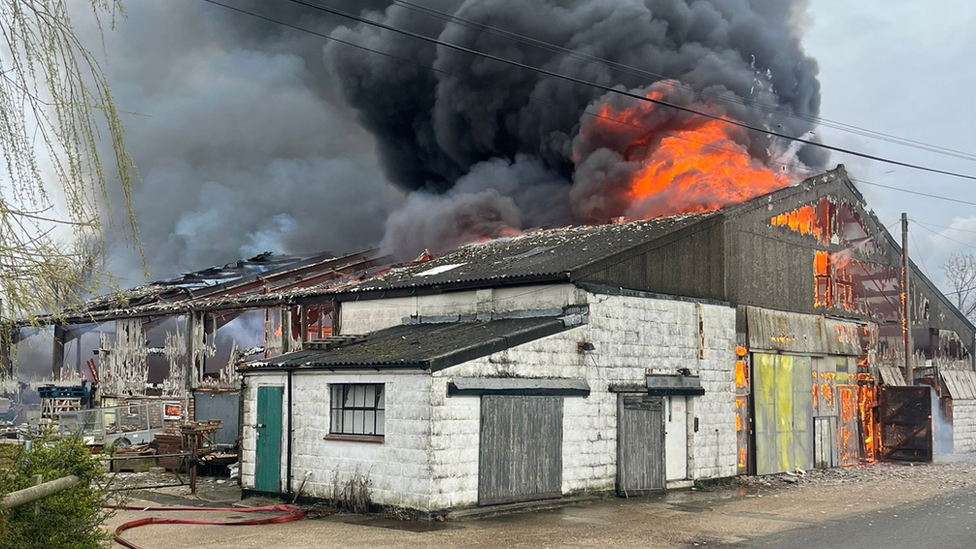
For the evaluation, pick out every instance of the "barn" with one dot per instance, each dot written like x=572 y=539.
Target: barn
x=626 y=357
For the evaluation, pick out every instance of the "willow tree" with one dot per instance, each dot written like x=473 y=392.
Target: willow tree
x=61 y=137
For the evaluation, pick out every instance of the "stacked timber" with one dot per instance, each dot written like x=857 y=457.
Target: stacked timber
x=169 y=444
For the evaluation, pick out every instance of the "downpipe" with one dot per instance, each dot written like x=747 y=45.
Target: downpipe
x=288 y=471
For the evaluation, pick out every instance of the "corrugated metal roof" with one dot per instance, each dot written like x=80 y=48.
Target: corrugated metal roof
x=427 y=346
x=534 y=254
x=961 y=383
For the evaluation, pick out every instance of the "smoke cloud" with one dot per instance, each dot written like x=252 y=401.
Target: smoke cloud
x=242 y=143
x=252 y=135
x=436 y=129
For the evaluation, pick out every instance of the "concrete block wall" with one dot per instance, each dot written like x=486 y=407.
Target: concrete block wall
x=397 y=467
x=964 y=425
x=662 y=336
x=362 y=317
x=631 y=335
x=429 y=458
x=456 y=420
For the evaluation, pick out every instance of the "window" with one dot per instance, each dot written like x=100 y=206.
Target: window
x=358 y=409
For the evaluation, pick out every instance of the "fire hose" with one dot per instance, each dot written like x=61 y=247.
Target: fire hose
x=292 y=513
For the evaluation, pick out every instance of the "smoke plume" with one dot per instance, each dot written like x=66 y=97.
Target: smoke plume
x=256 y=135
x=435 y=130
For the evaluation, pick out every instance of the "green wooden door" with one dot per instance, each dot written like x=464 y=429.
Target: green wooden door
x=267 y=460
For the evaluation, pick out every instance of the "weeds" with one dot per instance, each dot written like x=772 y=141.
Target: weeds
x=353 y=494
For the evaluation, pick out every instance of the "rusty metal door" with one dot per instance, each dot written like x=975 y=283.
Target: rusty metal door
x=906 y=423
x=640 y=445
x=783 y=402
x=521 y=456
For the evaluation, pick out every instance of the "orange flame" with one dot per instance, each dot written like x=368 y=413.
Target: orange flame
x=694 y=166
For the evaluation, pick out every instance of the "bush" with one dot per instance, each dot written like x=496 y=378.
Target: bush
x=71 y=518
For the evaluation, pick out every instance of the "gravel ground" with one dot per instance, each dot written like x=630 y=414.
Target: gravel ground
x=739 y=511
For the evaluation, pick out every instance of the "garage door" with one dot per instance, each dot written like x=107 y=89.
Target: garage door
x=783 y=397
x=521 y=448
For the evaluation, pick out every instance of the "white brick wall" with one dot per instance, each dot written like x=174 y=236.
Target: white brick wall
x=630 y=335
x=429 y=459
x=397 y=467
x=964 y=425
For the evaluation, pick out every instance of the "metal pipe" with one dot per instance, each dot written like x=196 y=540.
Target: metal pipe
x=288 y=471
x=27 y=495
x=906 y=318
x=142 y=456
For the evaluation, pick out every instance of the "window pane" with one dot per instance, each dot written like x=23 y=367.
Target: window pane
x=369 y=426
x=357 y=421
x=370 y=396
x=335 y=426
x=336 y=400
x=347 y=422
x=381 y=401
x=380 y=421
x=350 y=395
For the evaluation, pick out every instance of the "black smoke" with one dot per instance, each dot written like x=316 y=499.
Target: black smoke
x=437 y=131
x=253 y=136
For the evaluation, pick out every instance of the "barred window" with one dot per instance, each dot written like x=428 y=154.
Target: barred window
x=358 y=409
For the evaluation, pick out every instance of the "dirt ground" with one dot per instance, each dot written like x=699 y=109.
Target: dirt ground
x=743 y=510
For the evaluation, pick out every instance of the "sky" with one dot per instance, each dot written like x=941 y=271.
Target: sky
x=904 y=68
x=227 y=123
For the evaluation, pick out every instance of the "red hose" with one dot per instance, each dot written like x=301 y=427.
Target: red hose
x=292 y=513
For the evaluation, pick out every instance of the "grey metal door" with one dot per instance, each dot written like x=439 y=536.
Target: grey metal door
x=223 y=406
x=640 y=445
x=521 y=457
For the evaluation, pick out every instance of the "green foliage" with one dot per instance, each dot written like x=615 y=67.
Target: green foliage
x=61 y=149
x=70 y=519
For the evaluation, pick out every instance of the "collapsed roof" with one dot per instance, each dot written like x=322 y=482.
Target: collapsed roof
x=724 y=255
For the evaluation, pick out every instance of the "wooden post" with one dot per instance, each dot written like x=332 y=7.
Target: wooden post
x=191 y=367
x=906 y=314
x=34 y=493
x=57 y=359
x=193 y=463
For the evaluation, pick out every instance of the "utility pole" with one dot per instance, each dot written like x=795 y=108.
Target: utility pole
x=906 y=319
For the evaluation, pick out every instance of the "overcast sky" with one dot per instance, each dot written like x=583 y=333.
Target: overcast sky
x=904 y=67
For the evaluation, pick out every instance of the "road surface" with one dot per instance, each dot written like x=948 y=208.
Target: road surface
x=944 y=522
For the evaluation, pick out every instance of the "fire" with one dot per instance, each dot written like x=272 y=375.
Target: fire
x=683 y=164
x=500 y=233
x=741 y=374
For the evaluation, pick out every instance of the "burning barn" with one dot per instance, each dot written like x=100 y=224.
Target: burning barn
x=627 y=356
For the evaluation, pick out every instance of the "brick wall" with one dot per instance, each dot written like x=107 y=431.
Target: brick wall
x=964 y=425
x=397 y=467
x=429 y=459
x=630 y=335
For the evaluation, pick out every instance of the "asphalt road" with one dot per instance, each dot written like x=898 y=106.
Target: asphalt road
x=945 y=522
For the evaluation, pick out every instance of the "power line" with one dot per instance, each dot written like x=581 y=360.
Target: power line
x=922 y=225
x=920 y=256
x=585 y=112
x=634 y=71
x=944 y=227
x=625 y=93
x=917 y=193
